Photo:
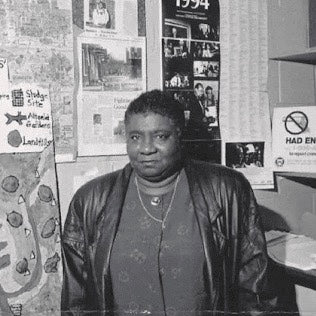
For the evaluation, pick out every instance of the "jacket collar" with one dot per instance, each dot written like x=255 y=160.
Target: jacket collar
x=202 y=190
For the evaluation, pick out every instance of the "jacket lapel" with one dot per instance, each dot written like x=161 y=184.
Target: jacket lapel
x=109 y=226
x=207 y=212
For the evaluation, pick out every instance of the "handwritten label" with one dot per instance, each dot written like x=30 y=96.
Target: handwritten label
x=35 y=98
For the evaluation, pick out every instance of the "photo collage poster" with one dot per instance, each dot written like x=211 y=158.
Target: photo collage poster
x=191 y=71
x=111 y=51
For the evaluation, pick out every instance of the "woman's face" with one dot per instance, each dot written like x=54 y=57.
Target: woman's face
x=153 y=145
x=209 y=94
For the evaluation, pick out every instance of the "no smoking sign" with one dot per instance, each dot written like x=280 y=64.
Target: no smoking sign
x=296 y=122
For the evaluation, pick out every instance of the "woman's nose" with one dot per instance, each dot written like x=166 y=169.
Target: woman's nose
x=148 y=146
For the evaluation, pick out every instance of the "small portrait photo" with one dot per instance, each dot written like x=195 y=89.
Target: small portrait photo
x=245 y=155
x=209 y=90
x=204 y=31
x=97 y=119
x=177 y=80
x=97 y=124
x=206 y=69
x=209 y=50
x=201 y=111
x=177 y=29
x=175 y=48
x=101 y=14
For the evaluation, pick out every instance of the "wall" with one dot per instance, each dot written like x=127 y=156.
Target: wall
x=293 y=205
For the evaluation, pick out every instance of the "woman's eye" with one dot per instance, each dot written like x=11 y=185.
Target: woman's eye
x=134 y=137
x=162 y=136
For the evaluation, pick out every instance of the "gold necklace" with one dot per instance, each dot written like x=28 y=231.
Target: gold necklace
x=169 y=206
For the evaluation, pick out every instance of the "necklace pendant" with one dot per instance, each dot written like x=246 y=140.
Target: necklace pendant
x=155 y=201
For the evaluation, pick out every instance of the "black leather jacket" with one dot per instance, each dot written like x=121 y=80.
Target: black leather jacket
x=233 y=240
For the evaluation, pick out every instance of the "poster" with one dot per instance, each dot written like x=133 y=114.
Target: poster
x=25 y=120
x=112 y=74
x=30 y=260
x=37 y=42
x=244 y=104
x=294 y=139
x=247 y=145
x=191 y=66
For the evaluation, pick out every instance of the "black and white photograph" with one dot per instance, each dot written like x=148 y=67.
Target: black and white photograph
x=100 y=14
x=245 y=155
x=201 y=110
x=112 y=66
x=209 y=50
x=177 y=72
x=206 y=31
x=158 y=158
x=176 y=48
x=206 y=69
x=175 y=28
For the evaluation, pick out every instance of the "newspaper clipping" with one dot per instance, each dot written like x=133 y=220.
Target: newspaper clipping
x=113 y=73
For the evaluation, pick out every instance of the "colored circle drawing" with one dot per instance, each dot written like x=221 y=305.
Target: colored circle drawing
x=296 y=122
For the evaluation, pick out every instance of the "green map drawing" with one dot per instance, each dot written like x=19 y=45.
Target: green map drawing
x=30 y=259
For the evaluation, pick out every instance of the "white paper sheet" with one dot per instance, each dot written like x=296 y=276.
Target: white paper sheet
x=294 y=139
x=106 y=90
x=25 y=120
x=244 y=111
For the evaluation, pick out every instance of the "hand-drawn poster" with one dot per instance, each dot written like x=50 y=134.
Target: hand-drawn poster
x=37 y=41
x=25 y=120
x=294 y=139
x=191 y=66
x=112 y=73
x=30 y=267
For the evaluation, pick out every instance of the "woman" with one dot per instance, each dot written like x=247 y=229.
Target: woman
x=100 y=15
x=165 y=235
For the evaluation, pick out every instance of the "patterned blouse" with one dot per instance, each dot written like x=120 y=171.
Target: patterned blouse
x=158 y=269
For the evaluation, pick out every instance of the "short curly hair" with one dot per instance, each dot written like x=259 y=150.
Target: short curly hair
x=158 y=102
